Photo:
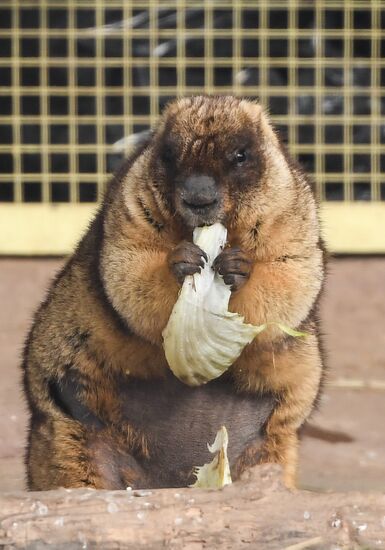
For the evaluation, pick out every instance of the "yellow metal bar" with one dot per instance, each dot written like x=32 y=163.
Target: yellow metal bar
x=45 y=229
x=42 y=229
x=354 y=228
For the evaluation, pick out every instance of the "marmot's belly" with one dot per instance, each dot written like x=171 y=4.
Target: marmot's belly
x=179 y=421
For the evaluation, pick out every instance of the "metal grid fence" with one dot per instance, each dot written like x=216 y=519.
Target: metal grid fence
x=77 y=76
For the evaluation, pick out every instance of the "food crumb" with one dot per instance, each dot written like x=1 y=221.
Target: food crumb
x=336 y=523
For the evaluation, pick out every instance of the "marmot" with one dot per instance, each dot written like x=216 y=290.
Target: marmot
x=106 y=411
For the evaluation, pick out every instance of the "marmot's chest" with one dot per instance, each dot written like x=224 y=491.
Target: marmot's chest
x=179 y=421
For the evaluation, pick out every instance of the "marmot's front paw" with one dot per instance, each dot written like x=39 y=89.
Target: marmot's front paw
x=234 y=265
x=186 y=259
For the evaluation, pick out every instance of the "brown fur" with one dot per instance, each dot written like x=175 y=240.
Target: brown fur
x=94 y=364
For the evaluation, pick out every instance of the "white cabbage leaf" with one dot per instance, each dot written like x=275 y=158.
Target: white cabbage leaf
x=203 y=338
x=216 y=474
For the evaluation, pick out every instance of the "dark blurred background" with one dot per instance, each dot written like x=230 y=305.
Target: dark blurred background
x=80 y=78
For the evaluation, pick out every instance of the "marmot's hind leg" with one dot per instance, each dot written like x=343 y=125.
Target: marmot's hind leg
x=74 y=447
x=63 y=453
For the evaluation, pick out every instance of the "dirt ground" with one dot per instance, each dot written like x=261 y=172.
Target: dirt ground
x=353 y=312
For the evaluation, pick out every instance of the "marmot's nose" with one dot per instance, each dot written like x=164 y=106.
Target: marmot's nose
x=199 y=191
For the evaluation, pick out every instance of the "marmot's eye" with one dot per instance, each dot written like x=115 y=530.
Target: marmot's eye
x=240 y=156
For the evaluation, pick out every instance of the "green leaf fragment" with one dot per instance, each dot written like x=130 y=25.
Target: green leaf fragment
x=290 y=331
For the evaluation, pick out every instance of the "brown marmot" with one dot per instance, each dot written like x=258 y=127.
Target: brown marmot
x=106 y=411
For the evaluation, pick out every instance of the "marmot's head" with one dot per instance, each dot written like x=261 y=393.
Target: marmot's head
x=210 y=157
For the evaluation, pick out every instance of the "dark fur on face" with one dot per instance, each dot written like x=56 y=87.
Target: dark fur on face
x=207 y=152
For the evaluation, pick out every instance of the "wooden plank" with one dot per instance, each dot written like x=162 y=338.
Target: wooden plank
x=254 y=513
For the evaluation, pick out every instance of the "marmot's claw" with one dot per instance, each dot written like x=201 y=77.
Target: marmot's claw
x=234 y=266
x=186 y=259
